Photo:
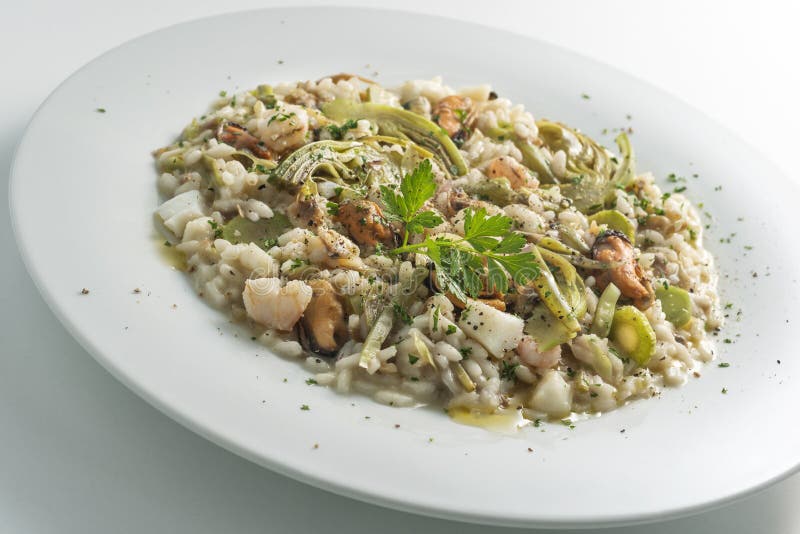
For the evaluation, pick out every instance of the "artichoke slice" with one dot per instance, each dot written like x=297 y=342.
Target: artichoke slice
x=376 y=140
x=569 y=282
x=615 y=220
x=396 y=122
x=533 y=157
x=498 y=191
x=565 y=306
x=594 y=175
x=341 y=160
x=604 y=312
x=592 y=172
x=626 y=170
x=262 y=232
x=252 y=163
x=593 y=351
x=546 y=329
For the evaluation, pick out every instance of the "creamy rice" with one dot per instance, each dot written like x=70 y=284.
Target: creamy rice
x=276 y=246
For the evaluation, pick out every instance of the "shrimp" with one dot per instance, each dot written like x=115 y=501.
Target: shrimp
x=238 y=137
x=529 y=354
x=513 y=171
x=284 y=128
x=273 y=306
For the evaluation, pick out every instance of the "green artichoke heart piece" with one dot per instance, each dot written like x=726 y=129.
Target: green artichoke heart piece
x=397 y=122
x=592 y=173
x=342 y=161
x=262 y=232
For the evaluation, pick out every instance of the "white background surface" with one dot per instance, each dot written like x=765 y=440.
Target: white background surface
x=79 y=453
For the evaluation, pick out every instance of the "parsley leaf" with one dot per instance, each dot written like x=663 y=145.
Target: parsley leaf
x=418 y=186
x=511 y=244
x=426 y=219
x=482 y=231
x=415 y=189
x=457 y=271
x=485 y=258
x=489 y=251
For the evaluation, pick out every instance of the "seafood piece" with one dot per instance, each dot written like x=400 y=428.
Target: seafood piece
x=275 y=306
x=614 y=247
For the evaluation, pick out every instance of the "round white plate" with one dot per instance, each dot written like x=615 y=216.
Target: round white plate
x=82 y=197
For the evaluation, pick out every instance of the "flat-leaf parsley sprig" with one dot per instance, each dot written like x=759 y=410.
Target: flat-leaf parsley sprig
x=415 y=189
x=489 y=248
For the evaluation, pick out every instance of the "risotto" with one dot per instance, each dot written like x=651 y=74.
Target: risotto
x=423 y=245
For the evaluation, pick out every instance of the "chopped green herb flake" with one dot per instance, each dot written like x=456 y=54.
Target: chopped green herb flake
x=216 y=227
x=508 y=371
x=401 y=313
x=337 y=132
x=488 y=249
x=415 y=189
